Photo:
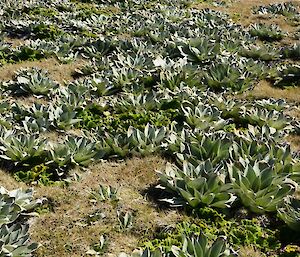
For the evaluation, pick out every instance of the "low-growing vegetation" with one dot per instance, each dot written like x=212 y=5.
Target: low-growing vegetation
x=149 y=128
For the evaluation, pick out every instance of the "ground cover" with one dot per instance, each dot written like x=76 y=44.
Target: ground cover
x=146 y=128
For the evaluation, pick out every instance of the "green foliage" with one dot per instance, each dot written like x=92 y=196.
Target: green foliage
x=265 y=53
x=152 y=69
x=198 y=186
x=204 y=117
x=286 y=76
x=261 y=117
x=200 y=247
x=238 y=233
x=259 y=186
x=14 y=236
x=14 y=203
x=290 y=213
x=286 y=9
x=291 y=251
x=224 y=76
x=104 y=194
x=63 y=116
x=199 y=50
x=22 y=148
x=33 y=81
x=14 y=241
x=86 y=9
x=125 y=220
x=44 y=12
x=198 y=147
x=77 y=151
x=267 y=33
x=120 y=122
x=26 y=53
x=191 y=246
x=46 y=31
x=23 y=53
x=40 y=174
x=147 y=141
x=292 y=52
x=100 y=247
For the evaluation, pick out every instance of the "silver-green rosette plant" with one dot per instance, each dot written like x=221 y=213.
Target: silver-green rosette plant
x=14 y=237
x=259 y=187
x=15 y=242
x=290 y=213
x=201 y=247
x=21 y=148
x=191 y=247
x=33 y=81
x=75 y=150
x=198 y=186
x=147 y=141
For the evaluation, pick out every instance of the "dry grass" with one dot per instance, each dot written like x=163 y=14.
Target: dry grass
x=294 y=141
x=241 y=13
x=244 y=8
x=247 y=251
x=57 y=71
x=264 y=89
x=294 y=112
x=15 y=42
x=65 y=231
x=7 y=181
